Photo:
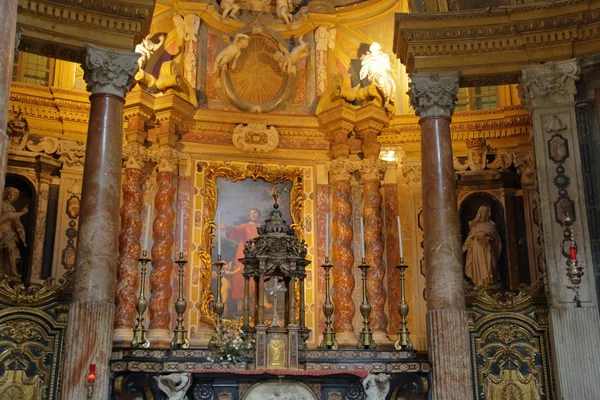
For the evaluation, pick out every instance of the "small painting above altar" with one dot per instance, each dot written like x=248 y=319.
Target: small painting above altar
x=243 y=205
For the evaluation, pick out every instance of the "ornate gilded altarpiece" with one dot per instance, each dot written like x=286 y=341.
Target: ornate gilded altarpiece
x=204 y=207
x=31 y=344
x=510 y=345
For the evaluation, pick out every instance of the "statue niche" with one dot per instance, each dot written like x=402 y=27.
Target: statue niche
x=16 y=227
x=484 y=248
x=482 y=221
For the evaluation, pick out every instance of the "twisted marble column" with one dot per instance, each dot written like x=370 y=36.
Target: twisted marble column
x=129 y=251
x=162 y=262
x=371 y=171
x=342 y=254
x=88 y=335
x=434 y=97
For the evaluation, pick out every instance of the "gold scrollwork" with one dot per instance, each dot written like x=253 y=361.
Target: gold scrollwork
x=271 y=174
x=18 y=292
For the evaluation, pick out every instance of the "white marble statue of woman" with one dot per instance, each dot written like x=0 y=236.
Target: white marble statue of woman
x=376 y=66
x=483 y=247
x=11 y=232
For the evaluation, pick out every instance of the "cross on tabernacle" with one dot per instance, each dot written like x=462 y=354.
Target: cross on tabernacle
x=273 y=289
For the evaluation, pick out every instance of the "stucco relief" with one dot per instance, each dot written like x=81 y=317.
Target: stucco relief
x=255 y=138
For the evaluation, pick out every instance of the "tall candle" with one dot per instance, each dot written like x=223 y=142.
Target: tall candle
x=400 y=237
x=147 y=234
x=219 y=233
x=362 y=236
x=327 y=235
x=181 y=231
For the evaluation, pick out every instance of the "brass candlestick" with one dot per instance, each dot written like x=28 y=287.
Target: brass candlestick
x=403 y=342
x=179 y=338
x=329 y=341
x=569 y=250
x=218 y=306
x=139 y=332
x=366 y=335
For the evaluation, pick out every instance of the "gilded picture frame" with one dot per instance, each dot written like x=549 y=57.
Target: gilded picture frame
x=207 y=215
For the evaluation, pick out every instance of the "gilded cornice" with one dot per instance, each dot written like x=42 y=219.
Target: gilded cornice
x=490 y=47
x=60 y=28
x=488 y=124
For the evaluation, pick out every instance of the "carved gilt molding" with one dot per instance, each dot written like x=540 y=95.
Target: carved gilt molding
x=490 y=46
x=255 y=138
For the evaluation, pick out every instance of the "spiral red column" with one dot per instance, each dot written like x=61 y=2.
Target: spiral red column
x=342 y=254
x=372 y=170
x=129 y=252
x=162 y=262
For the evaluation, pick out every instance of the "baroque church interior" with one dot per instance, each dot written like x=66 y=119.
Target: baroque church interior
x=300 y=199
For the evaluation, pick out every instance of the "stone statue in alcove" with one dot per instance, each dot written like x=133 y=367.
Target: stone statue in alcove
x=11 y=233
x=483 y=247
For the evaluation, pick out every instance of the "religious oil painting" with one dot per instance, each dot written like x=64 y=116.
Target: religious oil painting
x=242 y=207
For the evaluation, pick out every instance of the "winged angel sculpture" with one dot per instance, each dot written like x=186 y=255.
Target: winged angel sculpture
x=288 y=59
x=377 y=68
x=231 y=53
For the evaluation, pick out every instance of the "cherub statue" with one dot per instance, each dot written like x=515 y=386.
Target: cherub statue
x=174 y=385
x=187 y=27
x=284 y=8
x=230 y=9
x=147 y=48
x=231 y=53
x=288 y=60
x=376 y=67
x=376 y=386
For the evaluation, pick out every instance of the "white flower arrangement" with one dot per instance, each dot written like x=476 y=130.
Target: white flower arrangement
x=229 y=344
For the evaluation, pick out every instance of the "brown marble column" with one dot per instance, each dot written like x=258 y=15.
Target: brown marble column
x=88 y=335
x=159 y=332
x=434 y=97
x=130 y=248
x=341 y=251
x=371 y=173
x=8 y=24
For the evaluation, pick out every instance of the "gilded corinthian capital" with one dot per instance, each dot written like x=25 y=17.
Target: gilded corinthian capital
x=433 y=95
x=341 y=169
x=109 y=71
x=372 y=169
x=550 y=83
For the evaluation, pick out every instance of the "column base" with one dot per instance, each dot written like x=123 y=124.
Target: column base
x=574 y=334
x=201 y=337
x=160 y=338
x=450 y=355
x=122 y=337
x=383 y=340
x=346 y=340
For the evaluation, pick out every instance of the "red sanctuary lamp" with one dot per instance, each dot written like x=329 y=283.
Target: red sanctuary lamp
x=572 y=252
x=91 y=379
